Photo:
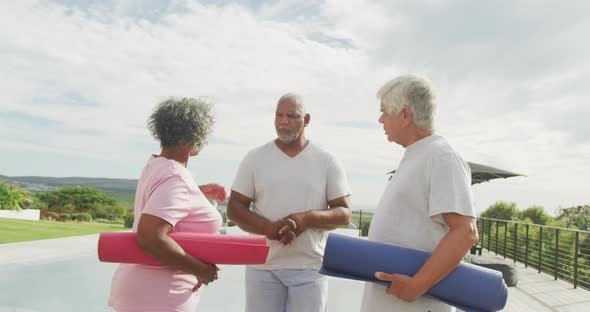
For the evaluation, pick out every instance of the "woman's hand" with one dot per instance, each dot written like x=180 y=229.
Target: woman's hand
x=214 y=192
x=206 y=275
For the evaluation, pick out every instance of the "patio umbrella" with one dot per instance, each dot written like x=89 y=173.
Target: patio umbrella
x=481 y=173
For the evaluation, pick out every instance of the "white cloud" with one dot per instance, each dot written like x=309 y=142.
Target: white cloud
x=510 y=79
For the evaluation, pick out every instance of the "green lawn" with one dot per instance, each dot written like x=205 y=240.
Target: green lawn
x=14 y=230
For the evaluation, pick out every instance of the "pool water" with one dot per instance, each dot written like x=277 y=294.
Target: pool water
x=80 y=283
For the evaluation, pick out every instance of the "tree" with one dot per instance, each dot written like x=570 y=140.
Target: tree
x=129 y=219
x=536 y=214
x=501 y=210
x=12 y=197
x=71 y=199
x=578 y=217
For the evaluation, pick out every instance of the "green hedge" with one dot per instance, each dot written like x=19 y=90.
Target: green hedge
x=129 y=220
x=365 y=225
x=84 y=216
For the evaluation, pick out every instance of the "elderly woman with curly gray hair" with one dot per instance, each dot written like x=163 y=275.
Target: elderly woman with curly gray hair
x=168 y=200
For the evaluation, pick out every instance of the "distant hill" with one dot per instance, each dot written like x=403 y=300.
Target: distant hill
x=122 y=189
x=106 y=184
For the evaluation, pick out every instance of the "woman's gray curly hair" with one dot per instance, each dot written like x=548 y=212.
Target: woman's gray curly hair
x=179 y=121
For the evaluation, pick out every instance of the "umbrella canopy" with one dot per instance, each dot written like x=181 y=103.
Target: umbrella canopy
x=481 y=173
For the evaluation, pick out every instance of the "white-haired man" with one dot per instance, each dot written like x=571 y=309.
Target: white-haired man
x=298 y=191
x=427 y=205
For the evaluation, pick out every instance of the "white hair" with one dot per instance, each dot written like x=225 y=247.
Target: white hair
x=412 y=92
x=295 y=99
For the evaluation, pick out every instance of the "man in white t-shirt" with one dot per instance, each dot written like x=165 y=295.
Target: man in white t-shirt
x=299 y=192
x=428 y=203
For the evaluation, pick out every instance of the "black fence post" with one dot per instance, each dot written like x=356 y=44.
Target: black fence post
x=576 y=268
x=489 y=234
x=526 y=248
x=515 y=241
x=497 y=227
x=576 y=261
x=361 y=223
x=540 y=246
x=556 y=252
x=483 y=231
x=505 y=237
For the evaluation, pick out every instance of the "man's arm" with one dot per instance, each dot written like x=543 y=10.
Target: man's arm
x=337 y=215
x=238 y=211
x=446 y=256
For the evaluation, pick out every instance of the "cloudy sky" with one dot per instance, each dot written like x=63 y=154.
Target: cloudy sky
x=79 y=78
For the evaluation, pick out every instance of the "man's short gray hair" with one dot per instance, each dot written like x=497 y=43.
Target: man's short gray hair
x=412 y=92
x=179 y=121
x=295 y=99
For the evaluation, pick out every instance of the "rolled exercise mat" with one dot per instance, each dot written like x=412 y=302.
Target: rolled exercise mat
x=210 y=248
x=469 y=287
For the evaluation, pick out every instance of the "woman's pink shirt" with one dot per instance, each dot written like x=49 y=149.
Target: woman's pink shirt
x=166 y=190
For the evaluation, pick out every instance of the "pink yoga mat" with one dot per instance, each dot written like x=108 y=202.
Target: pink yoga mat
x=209 y=248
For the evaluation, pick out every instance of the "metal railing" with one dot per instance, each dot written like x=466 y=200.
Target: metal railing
x=561 y=252
x=361 y=219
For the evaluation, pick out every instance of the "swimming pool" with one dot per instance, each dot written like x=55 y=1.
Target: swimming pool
x=81 y=283
x=71 y=285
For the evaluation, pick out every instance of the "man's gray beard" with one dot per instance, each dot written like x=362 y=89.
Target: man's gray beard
x=289 y=138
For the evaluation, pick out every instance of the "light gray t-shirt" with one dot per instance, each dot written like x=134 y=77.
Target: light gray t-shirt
x=431 y=179
x=280 y=185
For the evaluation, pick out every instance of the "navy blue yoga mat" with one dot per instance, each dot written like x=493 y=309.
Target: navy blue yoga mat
x=469 y=287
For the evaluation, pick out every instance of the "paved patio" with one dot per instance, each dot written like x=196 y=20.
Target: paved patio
x=534 y=292
x=539 y=292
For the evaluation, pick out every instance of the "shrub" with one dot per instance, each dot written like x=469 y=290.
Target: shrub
x=129 y=221
x=48 y=215
x=365 y=225
x=110 y=212
x=75 y=198
x=71 y=199
x=38 y=204
x=66 y=216
x=12 y=197
x=84 y=216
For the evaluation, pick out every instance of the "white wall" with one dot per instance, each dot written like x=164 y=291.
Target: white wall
x=26 y=214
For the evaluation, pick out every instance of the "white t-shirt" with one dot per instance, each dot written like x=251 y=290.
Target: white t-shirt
x=280 y=185
x=432 y=179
